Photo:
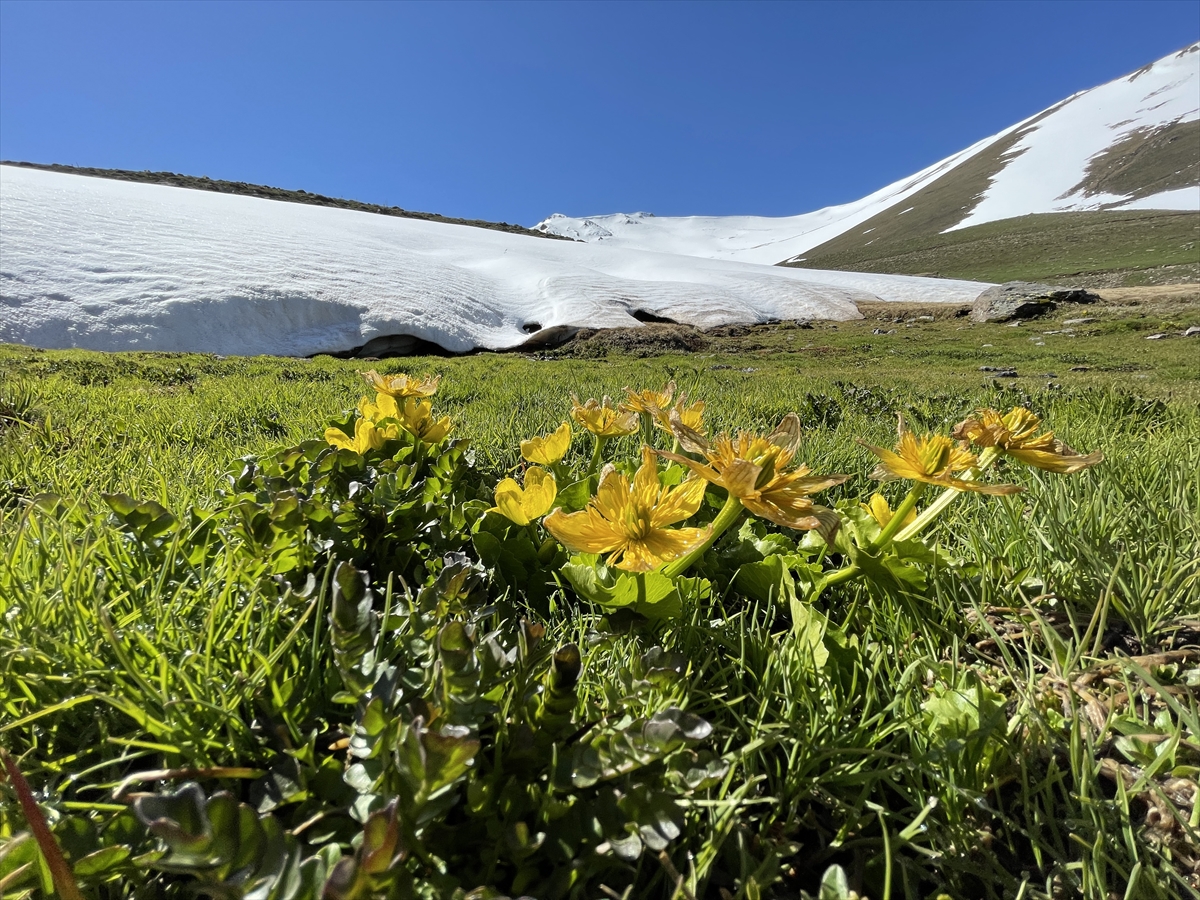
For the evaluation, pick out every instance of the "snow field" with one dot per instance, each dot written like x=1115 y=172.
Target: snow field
x=112 y=265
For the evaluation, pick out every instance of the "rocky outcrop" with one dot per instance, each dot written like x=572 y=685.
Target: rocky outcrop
x=1024 y=300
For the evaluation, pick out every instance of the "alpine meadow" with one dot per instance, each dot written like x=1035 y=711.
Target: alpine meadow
x=468 y=628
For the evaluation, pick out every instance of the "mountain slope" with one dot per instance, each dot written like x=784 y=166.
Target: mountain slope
x=1097 y=249
x=245 y=189
x=1133 y=143
x=112 y=265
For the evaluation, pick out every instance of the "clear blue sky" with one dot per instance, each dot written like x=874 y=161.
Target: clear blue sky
x=512 y=111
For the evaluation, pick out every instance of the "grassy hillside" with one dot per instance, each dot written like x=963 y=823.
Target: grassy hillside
x=1093 y=249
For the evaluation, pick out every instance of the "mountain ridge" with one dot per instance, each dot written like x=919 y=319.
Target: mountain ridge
x=1069 y=157
x=266 y=192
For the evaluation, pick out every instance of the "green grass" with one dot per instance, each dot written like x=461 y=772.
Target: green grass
x=988 y=735
x=1100 y=249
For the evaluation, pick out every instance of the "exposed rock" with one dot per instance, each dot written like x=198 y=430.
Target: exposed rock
x=1024 y=300
x=1192 y=331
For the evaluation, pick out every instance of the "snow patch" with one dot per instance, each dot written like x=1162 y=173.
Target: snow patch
x=1185 y=199
x=112 y=265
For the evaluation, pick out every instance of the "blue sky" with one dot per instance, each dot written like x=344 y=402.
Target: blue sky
x=512 y=111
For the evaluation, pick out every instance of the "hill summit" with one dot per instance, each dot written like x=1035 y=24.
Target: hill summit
x=1131 y=144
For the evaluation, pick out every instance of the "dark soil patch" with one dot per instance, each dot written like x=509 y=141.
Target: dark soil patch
x=648 y=340
x=1147 y=162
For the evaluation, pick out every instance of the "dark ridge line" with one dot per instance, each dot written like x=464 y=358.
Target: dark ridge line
x=244 y=189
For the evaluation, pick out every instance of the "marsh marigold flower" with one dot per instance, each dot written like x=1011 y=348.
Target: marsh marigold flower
x=523 y=505
x=1016 y=434
x=366 y=437
x=402 y=385
x=649 y=402
x=932 y=459
x=628 y=521
x=878 y=507
x=603 y=419
x=688 y=416
x=413 y=415
x=550 y=449
x=754 y=469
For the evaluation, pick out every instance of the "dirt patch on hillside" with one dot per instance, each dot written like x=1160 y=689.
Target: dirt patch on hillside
x=648 y=340
x=903 y=312
x=1161 y=299
x=1146 y=162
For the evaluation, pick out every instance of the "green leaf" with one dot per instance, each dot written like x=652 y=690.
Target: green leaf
x=809 y=627
x=650 y=594
x=101 y=861
x=834 y=885
x=146 y=520
x=767 y=580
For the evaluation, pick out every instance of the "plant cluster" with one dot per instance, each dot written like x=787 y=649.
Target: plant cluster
x=418 y=732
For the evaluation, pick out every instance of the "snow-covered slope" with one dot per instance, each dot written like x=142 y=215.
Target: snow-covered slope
x=112 y=265
x=757 y=239
x=1046 y=170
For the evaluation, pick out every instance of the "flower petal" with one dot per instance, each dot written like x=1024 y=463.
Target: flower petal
x=787 y=435
x=549 y=449
x=740 y=478
x=679 y=503
x=540 y=491
x=612 y=494
x=586 y=531
x=510 y=502
x=660 y=547
x=1064 y=463
x=335 y=437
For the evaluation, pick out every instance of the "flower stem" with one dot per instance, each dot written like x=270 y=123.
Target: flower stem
x=843 y=574
x=646 y=425
x=596 y=457
x=726 y=517
x=938 y=506
x=907 y=505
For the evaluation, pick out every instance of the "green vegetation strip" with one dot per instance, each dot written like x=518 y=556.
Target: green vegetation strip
x=329 y=673
x=1101 y=249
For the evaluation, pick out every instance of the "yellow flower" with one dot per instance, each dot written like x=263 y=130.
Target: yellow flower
x=1016 y=434
x=415 y=416
x=402 y=385
x=522 y=506
x=603 y=419
x=549 y=449
x=366 y=437
x=373 y=414
x=629 y=521
x=752 y=468
x=681 y=414
x=649 y=402
x=933 y=459
x=878 y=507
